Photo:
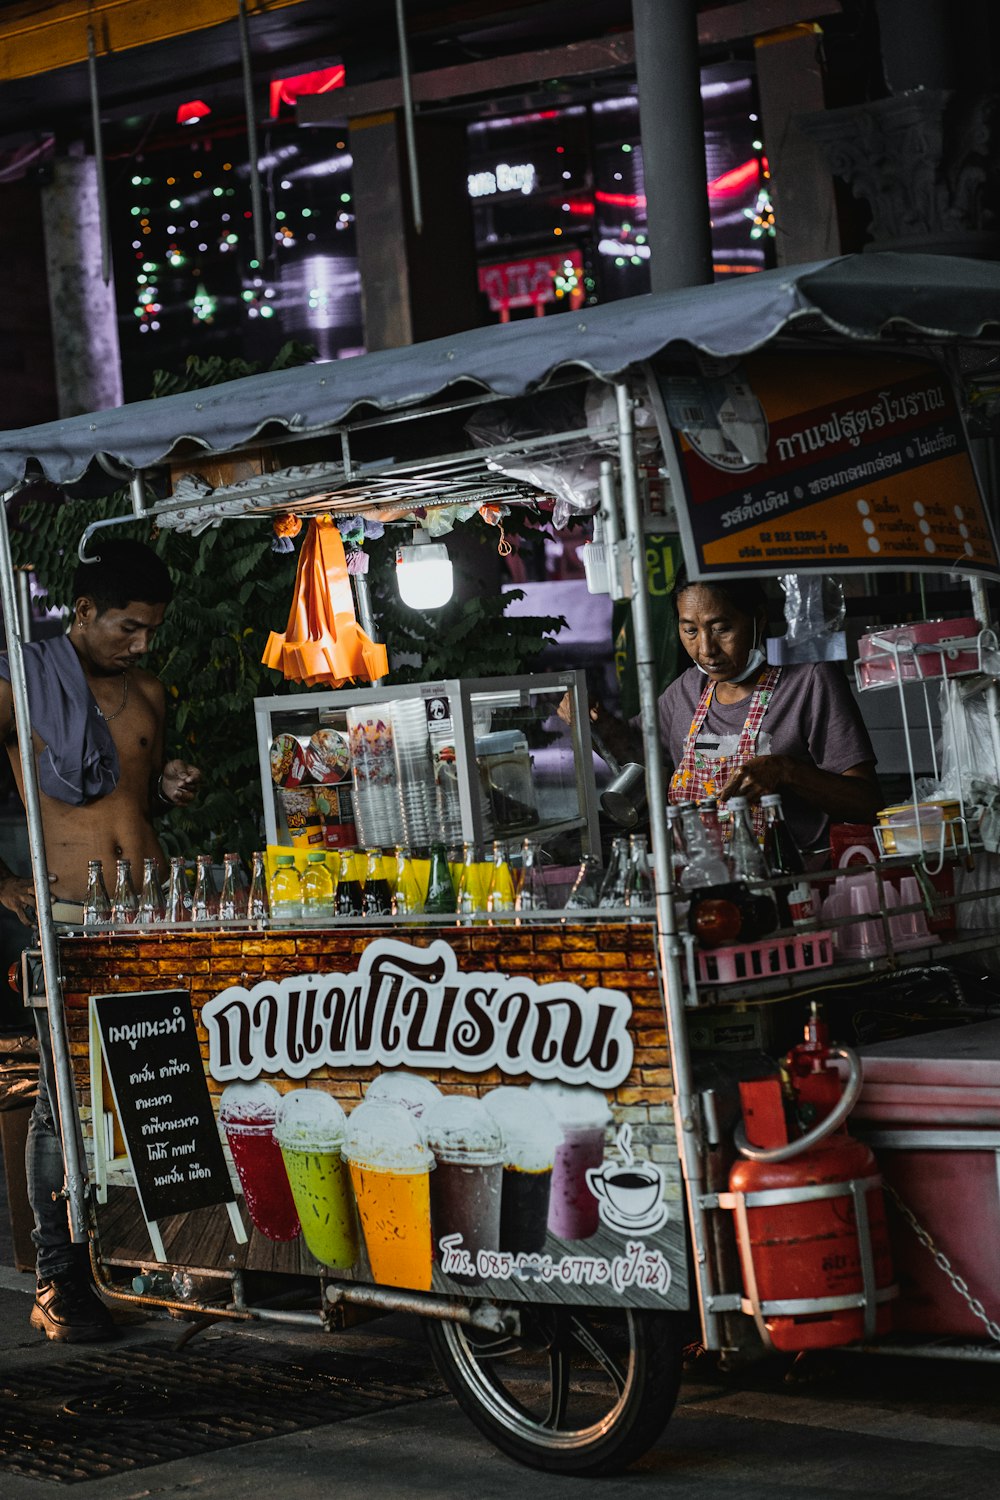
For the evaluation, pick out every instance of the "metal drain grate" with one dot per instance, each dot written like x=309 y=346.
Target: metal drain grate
x=146 y=1404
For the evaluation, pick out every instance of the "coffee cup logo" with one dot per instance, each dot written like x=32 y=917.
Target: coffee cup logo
x=629 y=1193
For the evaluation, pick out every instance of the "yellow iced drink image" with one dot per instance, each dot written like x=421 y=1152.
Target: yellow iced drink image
x=390 y=1171
x=309 y=1128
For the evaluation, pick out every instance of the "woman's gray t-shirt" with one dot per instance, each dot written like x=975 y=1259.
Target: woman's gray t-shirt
x=812 y=716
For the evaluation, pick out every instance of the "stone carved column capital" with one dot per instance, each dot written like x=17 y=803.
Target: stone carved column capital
x=926 y=161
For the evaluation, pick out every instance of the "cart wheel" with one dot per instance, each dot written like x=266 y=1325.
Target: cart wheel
x=579 y=1390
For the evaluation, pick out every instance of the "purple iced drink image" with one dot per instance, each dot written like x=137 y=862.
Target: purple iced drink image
x=582 y=1114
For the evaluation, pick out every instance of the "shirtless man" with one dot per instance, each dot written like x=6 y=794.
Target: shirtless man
x=119 y=603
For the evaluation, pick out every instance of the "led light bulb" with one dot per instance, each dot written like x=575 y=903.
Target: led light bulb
x=424 y=575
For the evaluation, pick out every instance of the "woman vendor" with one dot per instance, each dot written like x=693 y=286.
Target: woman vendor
x=731 y=725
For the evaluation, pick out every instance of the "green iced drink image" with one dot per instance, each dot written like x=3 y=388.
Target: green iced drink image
x=310 y=1131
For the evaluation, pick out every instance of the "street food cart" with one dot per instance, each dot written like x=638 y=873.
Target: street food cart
x=514 y=1125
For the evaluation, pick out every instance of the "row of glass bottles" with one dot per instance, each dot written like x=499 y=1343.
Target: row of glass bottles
x=628 y=880
x=205 y=904
x=318 y=893
x=738 y=870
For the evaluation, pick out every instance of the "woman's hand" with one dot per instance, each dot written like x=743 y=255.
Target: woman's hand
x=757 y=777
x=850 y=796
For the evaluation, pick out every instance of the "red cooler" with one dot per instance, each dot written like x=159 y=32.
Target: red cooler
x=930 y=1110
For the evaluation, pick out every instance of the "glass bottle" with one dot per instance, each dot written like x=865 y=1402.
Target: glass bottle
x=796 y=903
x=640 y=892
x=612 y=892
x=179 y=893
x=376 y=898
x=97 y=907
x=286 y=888
x=704 y=868
x=470 y=899
x=530 y=886
x=347 y=901
x=317 y=887
x=125 y=902
x=583 y=892
x=258 y=906
x=440 y=886
x=233 y=901
x=205 y=907
x=152 y=902
x=708 y=811
x=500 y=891
x=677 y=846
x=750 y=870
x=406 y=893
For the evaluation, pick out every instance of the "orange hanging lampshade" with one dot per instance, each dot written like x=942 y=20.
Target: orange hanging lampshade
x=323 y=642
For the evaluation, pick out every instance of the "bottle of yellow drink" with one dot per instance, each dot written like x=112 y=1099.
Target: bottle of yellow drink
x=407 y=896
x=471 y=897
x=500 y=894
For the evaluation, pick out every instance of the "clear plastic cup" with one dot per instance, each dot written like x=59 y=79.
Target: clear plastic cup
x=390 y=1172
x=583 y=1115
x=468 y=1179
x=247 y=1113
x=309 y=1129
x=531 y=1138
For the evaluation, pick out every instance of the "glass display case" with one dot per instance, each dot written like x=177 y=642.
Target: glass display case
x=456 y=761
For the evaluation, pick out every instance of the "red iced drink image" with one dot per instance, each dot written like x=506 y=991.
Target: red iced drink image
x=247 y=1114
x=583 y=1115
x=531 y=1139
x=413 y=1092
x=468 y=1179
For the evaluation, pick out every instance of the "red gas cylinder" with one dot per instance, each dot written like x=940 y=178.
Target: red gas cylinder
x=811 y=1229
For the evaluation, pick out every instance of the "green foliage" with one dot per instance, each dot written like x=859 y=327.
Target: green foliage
x=199 y=373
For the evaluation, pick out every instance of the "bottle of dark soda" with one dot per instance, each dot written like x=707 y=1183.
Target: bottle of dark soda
x=796 y=903
x=376 y=898
x=347 y=901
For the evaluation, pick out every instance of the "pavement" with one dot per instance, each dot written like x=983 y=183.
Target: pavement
x=839 y=1425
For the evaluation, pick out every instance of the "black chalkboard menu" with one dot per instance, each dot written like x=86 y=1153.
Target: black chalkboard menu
x=150 y=1047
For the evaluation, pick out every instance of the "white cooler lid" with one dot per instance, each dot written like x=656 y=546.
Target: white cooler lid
x=960 y=1056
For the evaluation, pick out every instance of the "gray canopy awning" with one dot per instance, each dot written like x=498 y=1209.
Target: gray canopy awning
x=860 y=297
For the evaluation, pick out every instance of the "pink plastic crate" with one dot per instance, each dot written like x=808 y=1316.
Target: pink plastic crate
x=761 y=960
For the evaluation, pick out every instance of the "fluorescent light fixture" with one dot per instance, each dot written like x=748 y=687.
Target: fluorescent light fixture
x=424 y=575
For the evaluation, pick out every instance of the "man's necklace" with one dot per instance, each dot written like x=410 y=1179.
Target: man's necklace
x=108 y=717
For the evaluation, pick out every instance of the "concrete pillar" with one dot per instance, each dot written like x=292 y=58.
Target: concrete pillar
x=413 y=286
x=84 y=314
x=790 y=83
x=672 y=128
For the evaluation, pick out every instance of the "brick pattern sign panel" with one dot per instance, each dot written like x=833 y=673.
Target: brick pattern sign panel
x=480 y=1111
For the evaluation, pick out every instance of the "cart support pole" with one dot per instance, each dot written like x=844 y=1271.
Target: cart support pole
x=65 y=1100
x=685 y=1104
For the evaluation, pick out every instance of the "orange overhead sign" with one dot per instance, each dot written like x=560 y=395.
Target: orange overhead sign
x=788 y=463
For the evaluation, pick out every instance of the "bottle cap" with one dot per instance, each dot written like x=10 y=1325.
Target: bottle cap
x=531 y=1133
x=771 y=799
x=737 y=804
x=285 y=859
x=385 y=1138
x=411 y=1090
x=312 y=859
x=249 y=1104
x=460 y=1129
x=575 y=1106
x=309 y=1120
